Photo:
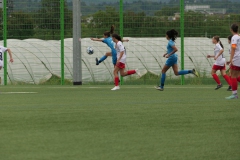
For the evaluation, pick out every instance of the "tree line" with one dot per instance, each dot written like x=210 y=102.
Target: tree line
x=43 y=22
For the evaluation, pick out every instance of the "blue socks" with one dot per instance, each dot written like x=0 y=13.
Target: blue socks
x=163 y=80
x=102 y=59
x=183 y=72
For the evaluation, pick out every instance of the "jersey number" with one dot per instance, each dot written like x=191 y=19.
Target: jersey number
x=1 y=56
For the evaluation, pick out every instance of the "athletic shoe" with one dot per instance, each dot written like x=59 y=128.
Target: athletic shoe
x=234 y=96
x=195 y=73
x=229 y=88
x=138 y=73
x=97 y=62
x=159 y=88
x=115 y=88
x=218 y=86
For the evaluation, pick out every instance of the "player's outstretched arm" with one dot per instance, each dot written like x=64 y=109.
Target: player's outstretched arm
x=10 y=54
x=96 y=39
x=125 y=40
x=210 y=56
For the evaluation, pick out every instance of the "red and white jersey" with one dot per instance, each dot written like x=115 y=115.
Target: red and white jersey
x=235 y=43
x=2 y=50
x=220 y=61
x=120 y=48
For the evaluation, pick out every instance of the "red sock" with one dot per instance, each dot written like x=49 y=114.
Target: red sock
x=227 y=80
x=234 y=84
x=238 y=79
x=116 y=81
x=131 y=72
x=215 y=77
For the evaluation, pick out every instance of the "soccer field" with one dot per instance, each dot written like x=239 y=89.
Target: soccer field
x=134 y=123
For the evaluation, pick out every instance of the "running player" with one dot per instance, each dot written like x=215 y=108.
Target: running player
x=121 y=60
x=172 y=56
x=108 y=40
x=234 y=61
x=2 y=50
x=228 y=62
x=219 y=64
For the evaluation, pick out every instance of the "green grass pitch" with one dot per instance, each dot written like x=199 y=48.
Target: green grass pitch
x=134 y=123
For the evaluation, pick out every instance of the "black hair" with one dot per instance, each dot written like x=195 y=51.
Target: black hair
x=217 y=38
x=230 y=37
x=172 y=34
x=234 y=28
x=108 y=33
x=117 y=37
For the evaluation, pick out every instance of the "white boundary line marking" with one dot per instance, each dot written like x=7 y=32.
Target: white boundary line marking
x=18 y=92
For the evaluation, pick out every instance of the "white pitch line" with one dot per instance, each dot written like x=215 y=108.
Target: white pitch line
x=18 y=92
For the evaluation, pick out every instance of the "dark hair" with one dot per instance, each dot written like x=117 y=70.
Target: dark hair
x=172 y=34
x=117 y=37
x=217 y=38
x=234 y=28
x=108 y=33
x=230 y=37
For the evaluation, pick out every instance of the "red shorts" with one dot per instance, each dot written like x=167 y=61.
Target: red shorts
x=216 y=67
x=120 y=65
x=236 y=68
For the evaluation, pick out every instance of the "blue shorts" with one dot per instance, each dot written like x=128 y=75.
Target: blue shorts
x=114 y=57
x=171 y=61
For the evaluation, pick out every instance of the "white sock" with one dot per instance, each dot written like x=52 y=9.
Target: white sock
x=234 y=92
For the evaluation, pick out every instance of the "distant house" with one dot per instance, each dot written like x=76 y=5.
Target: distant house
x=205 y=9
x=176 y=16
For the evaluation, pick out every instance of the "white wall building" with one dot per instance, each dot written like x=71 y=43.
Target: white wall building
x=206 y=9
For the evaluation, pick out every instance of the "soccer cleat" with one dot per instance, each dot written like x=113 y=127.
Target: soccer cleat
x=234 y=96
x=159 y=88
x=115 y=88
x=138 y=73
x=218 y=86
x=229 y=88
x=195 y=73
x=97 y=62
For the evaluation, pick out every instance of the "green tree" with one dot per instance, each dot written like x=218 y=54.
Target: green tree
x=167 y=11
x=20 y=25
x=1 y=23
x=49 y=19
x=101 y=21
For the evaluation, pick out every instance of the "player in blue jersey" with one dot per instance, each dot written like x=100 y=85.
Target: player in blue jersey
x=109 y=42
x=172 y=56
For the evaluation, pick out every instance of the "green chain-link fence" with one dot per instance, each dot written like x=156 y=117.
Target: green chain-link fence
x=34 y=35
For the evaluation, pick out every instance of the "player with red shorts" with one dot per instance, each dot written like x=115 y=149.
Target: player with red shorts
x=121 y=60
x=219 y=64
x=234 y=61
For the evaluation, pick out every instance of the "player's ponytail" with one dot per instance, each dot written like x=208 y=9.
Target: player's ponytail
x=108 y=33
x=230 y=37
x=172 y=34
x=117 y=37
x=112 y=29
x=217 y=38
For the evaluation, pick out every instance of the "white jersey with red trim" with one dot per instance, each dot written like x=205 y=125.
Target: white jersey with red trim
x=235 y=42
x=220 y=61
x=2 y=50
x=120 y=48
